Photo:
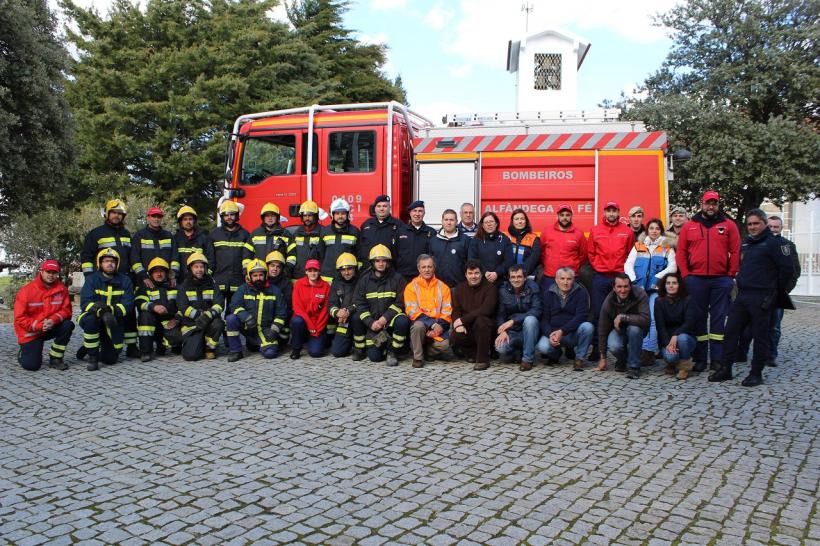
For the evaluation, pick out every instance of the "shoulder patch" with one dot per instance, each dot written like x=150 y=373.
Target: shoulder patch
x=786 y=250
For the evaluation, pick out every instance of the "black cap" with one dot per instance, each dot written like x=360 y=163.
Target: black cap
x=415 y=204
x=381 y=199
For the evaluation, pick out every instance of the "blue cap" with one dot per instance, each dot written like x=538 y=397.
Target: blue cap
x=381 y=199
x=415 y=204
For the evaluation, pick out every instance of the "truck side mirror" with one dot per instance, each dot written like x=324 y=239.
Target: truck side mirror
x=293 y=210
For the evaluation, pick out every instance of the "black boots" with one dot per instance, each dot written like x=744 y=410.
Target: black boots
x=57 y=363
x=233 y=357
x=358 y=355
x=93 y=363
x=723 y=373
x=295 y=354
x=753 y=380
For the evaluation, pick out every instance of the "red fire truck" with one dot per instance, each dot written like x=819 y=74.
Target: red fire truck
x=499 y=162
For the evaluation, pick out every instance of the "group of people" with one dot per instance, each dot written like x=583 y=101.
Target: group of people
x=636 y=290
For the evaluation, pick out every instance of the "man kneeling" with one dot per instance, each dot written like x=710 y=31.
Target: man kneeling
x=200 y=304
x=519 y=310
x=474 y=303
x=428 y=304
x=622 y=325
x=258 y=313
x=157 y=321
x=563 y=323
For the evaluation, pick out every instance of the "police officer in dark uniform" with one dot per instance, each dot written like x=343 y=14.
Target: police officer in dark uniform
x=763 y=280
x=380 y=229
x=413 y=240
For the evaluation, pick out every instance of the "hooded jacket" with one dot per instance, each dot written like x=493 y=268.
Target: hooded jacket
x=649 y=261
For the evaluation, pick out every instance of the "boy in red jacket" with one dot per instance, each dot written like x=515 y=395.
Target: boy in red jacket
x=311 y=295
x=42 y=311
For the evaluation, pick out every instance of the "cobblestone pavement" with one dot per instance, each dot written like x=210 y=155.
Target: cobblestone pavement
x=336 y=452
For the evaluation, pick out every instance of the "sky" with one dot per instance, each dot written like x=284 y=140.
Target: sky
x=451 y=54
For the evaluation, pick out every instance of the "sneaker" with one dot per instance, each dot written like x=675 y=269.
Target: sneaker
x=57 y=363
x=752 y=380
x=633 y=373
x=210 y=354
x=233 y=357
x=392 y=360
x=578 y=365
x=418 y=363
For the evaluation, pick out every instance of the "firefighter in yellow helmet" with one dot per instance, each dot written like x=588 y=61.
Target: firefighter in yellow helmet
x=379 y=304
x=278 y=274
x=114 y=235
x=307 y=238
x=270 y=236
x=200 y=305
x=258 y=313
x=157 y=321
x=342 y=308
x=229 y=250
x=106 y=300
x=188 y=238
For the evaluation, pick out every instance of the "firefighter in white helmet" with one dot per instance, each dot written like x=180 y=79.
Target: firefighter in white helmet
x=337 y=238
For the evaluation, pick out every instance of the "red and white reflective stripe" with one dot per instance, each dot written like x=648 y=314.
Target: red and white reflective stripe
x=639 y=140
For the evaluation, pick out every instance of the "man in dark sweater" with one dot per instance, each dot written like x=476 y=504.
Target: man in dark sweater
x=563 y=322
x=474 y=304
x=622 y=325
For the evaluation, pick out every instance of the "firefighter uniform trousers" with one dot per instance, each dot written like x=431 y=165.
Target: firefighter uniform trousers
x=152 y=327
x=364 y=338
x=342 y=342
x=711 y=297
x=101 y=341
x=194 y=298
x=268 y=307
x=117 y=293
x=254 y=338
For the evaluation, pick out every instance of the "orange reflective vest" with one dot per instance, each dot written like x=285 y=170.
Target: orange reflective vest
x=429 y=298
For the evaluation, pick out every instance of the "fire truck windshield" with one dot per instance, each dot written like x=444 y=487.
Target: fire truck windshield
x=268 y=156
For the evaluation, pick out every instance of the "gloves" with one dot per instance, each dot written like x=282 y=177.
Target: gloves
x=95 y=308
x=109 y=320
x=272 y=332
x=202 y=320
x=102 y=309
x=250 y=322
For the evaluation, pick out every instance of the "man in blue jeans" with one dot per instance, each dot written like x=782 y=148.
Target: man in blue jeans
x=517 y=318
x=563 y=321
x=622 y=325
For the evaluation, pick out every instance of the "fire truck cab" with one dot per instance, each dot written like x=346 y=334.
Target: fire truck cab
x=500 y=162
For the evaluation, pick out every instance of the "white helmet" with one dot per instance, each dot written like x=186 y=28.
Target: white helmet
x=340 y=205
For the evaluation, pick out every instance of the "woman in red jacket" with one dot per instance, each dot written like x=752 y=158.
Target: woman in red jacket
x=311 y=295
x=42 y=311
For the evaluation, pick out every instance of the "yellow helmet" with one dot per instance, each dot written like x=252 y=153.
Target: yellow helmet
x=269 y=207
x=380 y=251
x=275 y=256
x=255 y=265
x=115 y=205
x=183 y=210
x=308 y=207
x=346 y=259
x=107 y=253
x=158 y=262
x=196 y=257
x=227 y=207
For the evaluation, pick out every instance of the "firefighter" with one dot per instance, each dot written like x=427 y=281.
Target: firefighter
x=200 y=305
x=763 y=282
x=42 y=311
x=343 y=308
x=112 y=234
x=228 y=251
x=277 y=275
x=270 y=236
x=412 y=241
x=307 y=237
x=157 y=312
x=380 y=306
x=381 y=229
x=562 y=245
x=258 y=313
x=708 y=257
x=608 y=248
x=429 y=305
x=449 y=248
x=188 y=239
x=338 y=238
x=106 y=300
x=526 y=246
x=310 y=313
x=151 y=242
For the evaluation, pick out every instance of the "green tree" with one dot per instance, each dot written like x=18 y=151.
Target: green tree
x=35 y=123
x=155 y=92
x=739 y=89
x=354 y=67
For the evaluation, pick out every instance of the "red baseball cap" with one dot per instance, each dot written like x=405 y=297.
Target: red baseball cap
x=564 y=206
x=50 y=265
x=155 y=211
x=612 y=205
x=711 y=194
x=313 y=264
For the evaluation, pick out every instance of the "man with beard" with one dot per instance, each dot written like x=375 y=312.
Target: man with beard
x=151 y=242
x=562 y=245
x=229 y=251
x=278 y=276
x=307 y=237
x=338 y=238
x=381 y=229
x=270 y=236
x=200 y=304
x=343 y=309
x=188 y=239
x=157 y=308
x=258 y=313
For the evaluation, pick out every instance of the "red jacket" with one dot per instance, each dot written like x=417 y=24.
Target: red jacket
x=709 y=247
x=312 y=303
x=609 y=246
x=562 y=249
x=36 y=302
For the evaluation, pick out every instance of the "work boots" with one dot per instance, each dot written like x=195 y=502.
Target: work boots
x=578 y=365
x=753 y=379
x=684 y=367
x=295 y=354
x=392 y=360
x=57 y=363
x=723 y=373
x=145 y=357
x=210 y=354
x=358 y=355
x=93 y=363
x=131 y=351
x=234 y=357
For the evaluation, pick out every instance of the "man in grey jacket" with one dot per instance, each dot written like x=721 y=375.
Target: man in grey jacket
x=622 y=325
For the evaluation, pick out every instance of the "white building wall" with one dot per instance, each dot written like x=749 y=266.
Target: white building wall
x=804 y=230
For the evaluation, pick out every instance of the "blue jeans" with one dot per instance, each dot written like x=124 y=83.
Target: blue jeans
x=626 y=345
x=523 y=339
x=686 y=346
x=579 y=340
x=299 y=336
x=650 y=342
